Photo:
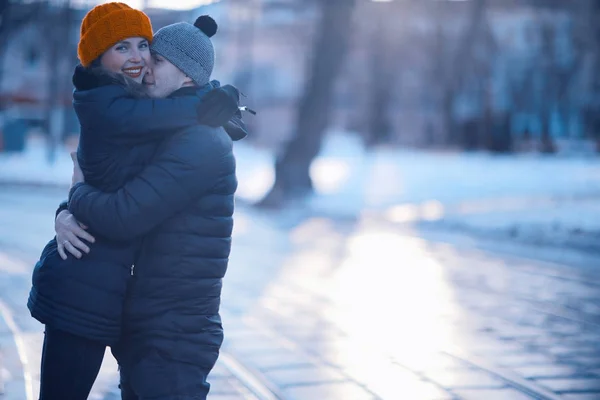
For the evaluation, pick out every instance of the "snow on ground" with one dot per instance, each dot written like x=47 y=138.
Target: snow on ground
x=32 y=166
x=526 y=196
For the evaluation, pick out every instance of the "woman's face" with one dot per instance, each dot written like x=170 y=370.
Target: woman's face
x=129 y=57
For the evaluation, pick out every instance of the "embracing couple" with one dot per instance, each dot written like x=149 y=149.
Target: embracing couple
x=142 y=243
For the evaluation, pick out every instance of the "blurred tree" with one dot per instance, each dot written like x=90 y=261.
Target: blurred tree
x=520 y=92
x=544 y=83
x=547 y=87
x=486 y=131
x=59 y=17
x=292 y=168
x=383 y=73
x=13 y=16
x=590 y=23
x=245 y=18
x=451 y=62
x=558 y=70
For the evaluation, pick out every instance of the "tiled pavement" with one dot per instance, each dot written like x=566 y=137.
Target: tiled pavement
x=381 y=315
x=224 y=386
x=323 y=309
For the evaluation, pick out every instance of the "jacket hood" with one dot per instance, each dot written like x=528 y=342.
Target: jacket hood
x=85 y=79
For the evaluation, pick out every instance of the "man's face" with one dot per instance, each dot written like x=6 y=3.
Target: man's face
x=163 y=78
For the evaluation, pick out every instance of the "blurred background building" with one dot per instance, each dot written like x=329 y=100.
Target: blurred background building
x=496 y=75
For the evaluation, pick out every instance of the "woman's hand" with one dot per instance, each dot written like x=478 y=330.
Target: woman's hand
x=69 y=233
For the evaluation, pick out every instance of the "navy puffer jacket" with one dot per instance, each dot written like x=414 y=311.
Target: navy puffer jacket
x=183 y=203
x=119 y=137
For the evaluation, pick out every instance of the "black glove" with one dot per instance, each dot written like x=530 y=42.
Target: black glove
x=218 y=106
x=236 y=128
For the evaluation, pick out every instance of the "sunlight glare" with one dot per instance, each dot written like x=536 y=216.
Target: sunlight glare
x=329 y=174
x=254 y=184
x=429 y=211
x=420 y=292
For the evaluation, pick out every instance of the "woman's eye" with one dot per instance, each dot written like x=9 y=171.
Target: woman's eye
x=121 y=48
x=144 y=46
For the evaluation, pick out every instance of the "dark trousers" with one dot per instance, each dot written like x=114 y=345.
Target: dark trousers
x=70 y=365
x=197 y=390
x=152 y=377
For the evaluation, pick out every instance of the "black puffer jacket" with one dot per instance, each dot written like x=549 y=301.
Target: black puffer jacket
x=119 y=137
x=183 y=202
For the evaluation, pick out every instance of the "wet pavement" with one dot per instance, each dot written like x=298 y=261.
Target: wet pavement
x=317 y=308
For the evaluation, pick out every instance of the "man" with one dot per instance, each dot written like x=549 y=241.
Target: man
x=182 y=204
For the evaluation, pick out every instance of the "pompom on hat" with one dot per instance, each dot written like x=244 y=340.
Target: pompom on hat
x=107 y=24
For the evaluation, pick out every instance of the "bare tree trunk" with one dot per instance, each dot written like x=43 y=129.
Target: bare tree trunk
x=292 y=178
x=5 y=16
x=594 y=35
x=548 y=33
x=463 y=55
x=547 y=145
x=442 y=73
x=9 y=23
x=383 y=72
x=448 y=118
x=59 y=39
x=379 y=123
x=492 y=135
x=456 y=67
x=487 y=129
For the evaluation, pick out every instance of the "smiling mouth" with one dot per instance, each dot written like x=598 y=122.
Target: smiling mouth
x=133 y=72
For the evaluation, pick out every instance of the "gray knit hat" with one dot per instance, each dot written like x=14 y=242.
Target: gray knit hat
x=188 y=47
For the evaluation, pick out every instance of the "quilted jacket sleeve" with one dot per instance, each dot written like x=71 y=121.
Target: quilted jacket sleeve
x=129 y=121
x=189 y=166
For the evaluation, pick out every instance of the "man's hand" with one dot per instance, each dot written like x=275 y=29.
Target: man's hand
x=77 y=174
x=218 y=106
x=69 y=233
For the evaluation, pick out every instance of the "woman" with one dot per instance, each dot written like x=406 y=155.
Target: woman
x=81 y=300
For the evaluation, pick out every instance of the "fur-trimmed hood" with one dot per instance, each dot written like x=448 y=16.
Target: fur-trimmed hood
x=95 y=77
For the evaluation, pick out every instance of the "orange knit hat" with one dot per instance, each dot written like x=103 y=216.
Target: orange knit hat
x=106 y=25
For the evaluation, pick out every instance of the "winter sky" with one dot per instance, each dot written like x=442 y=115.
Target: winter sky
x=173 y=4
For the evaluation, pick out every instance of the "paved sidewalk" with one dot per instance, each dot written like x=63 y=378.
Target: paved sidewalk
x=375 y=314
x=224 y=386
x=21 y=342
